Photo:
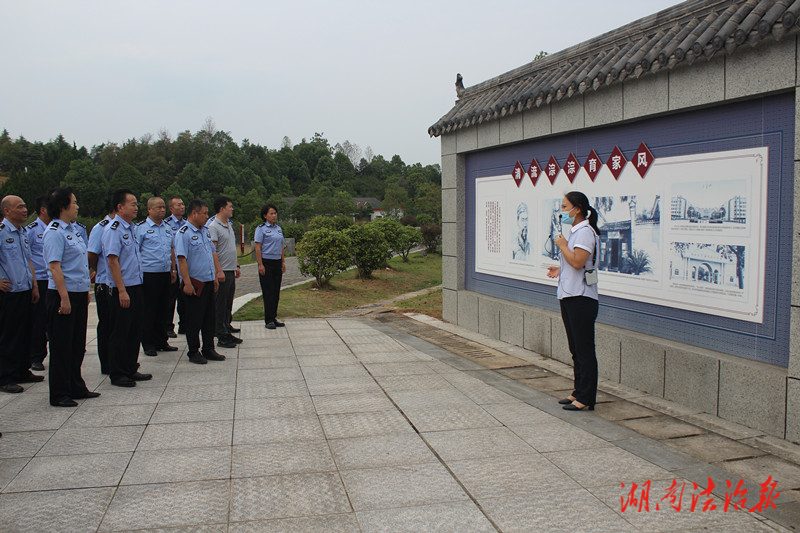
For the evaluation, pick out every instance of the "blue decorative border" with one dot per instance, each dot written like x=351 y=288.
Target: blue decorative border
x=767 y=121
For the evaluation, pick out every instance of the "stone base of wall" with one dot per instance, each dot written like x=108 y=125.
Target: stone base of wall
x=750 y=393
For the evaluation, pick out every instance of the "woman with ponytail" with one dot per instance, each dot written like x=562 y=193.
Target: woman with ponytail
x=577 y=295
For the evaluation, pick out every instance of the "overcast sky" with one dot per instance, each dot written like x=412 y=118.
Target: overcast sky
x=375 y=73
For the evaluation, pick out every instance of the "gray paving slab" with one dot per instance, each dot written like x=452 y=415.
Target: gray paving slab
x=478 y=443
x=92 y=416
x=286 y=407
x=336 y=523
x=453 y=517
x=295 y=457
x=263 y=430
x=9 y=468
x=199 y=411
x=181 y=464
x=70 y=471
x=74 y=440
x=16 y=444
x=351 y=403
x=54 y=510
x=380 y=450
x=344 y=425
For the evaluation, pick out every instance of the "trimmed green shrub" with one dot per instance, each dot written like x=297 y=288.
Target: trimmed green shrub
x=431 y=237
x=322 y=253
x=321 y=221
x=368 y=248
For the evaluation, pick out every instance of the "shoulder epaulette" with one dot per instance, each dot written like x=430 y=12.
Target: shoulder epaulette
x=2 y=225
x=54 y=225
x=183 y=229
x=115 y=225
x=142 y=222
x=31 y=225
x=81 y=224
x=104 y=222
x=261 y=225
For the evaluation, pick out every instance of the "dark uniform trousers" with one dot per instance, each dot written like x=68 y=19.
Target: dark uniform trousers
x=200 y=318
x=175 y=296
x=67 y=336
x=126 y=333
x=39 y=325
x=15 y=324
x=156 y=289
x=271 y=288
x=102 y=297
x=224 y=303
x=579 y=314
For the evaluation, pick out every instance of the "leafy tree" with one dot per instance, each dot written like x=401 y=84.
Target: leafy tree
x=303 y=208
x=319 y=222
x=368 y=249
x=91 y=188
x=407 y=239
x=391 y=230
x=342 y=222
x=323 y=200
x=343 y=204
x=395 y=200
x=429 y=201
x=326 y=171
x=322 y=253
x=127 y=177
x=431 y=237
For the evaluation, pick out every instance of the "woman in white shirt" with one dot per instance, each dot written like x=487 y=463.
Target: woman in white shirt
x=577 y=295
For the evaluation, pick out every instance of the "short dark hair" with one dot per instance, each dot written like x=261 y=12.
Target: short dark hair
x=196 y=205
x=39 y=202
x=58 y=200
x=220 y=202
x=119 y=197
x=266 y=208
x=169 y=200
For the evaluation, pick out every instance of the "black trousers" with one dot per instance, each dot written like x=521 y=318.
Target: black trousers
x=579 y=314
x=199 y=318
x=223 y=304
x=156 y=288
x=67 y=336
x=175 y=297
x=271 y=288
x=39 y=324
x=102 y=297
x=126 y=334
x=15 y=324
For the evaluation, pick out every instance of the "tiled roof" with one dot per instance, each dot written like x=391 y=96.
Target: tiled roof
x=685 y=33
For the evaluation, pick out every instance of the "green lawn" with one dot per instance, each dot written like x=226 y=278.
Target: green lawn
x=428 y=304
x=346 y=291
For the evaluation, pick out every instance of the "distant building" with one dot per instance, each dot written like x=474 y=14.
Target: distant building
x=358 y=204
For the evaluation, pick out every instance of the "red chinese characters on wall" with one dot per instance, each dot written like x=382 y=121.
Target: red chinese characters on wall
x=571 y=167
x=518 y=173
x=616 y=162
x=592 y=165
x=552 y=169
x=534 y=171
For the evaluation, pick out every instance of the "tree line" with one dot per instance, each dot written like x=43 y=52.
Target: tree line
x=324 y=179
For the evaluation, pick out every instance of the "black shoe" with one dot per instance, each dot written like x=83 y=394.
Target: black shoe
x=270 y=325
x=565 y=401
x=225 y=342
x=172 y=335
x=150 y=352
x=236 y=340
x=86 y=394
x=11 y=388
x=30 y=378
x=573 y=407
x=279 y=323
x=234 y=330
x=197 y=358
x=167 y=348
x=138 y=376
x=37 y=365
x=123 y=382
x=212 y=355
x=64 y=402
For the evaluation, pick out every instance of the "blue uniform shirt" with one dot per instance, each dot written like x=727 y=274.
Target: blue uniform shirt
x=81 y=228
x=195 y=245
x=63 y=243
x=36 y=237
x=96 y=247
x=15 y=256
x=119 y=239
x=155 y=245
x=271 y=238
x=174 y=225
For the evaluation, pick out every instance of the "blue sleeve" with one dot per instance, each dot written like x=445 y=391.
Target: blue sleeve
x=95 y=244
x=180 y=245
x=52 y=246
x=259 y=234
x=111 y=244
x=140 y=232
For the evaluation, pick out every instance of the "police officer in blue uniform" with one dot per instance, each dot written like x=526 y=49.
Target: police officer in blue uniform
x=200 y=273
x=98 y=263
x=127 y=296
x=158 y=266
x=271 y=263
x=175 y=221
x=67 y=299
x=36 y=231
x=18 y=292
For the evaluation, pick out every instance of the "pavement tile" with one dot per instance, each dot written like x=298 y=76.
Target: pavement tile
x=249 y=363
x=46 y=417
x=164 y=505
x=428 y=382
x=89 y=416
x=200 y=411
x=454 y=517
x=380 y=450
x=182 y=464
x=401 y=486
x=606 y=466
x=187 y=435
x=573 y=510
x=387 y=357
x=23 y=443
x=343 y=386
x=74 y=440
x=623 y=410
x=295 y=457
x=206 y=376
x=294 y=495
x=266 y=375
x=422 y=399
x=9 y=468
x=71 y=471
x=263 y=430
x=450 y=417
x=400 y=369
x=336 y=523
x=513 y=474
x=191 y=393
x=126 y=396
x=662 y=427
x=351 y=403
x=314 y=350
x=557 y=436
x=54 y=510
x=344 y=425
x=287 y=407
x=321 y=373
x=758 y=469
x=326 y=360
x=479 y=443
x=273 y=389
x=518 y=414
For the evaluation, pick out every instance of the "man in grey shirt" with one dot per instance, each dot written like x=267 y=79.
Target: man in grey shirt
x=224 y=239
